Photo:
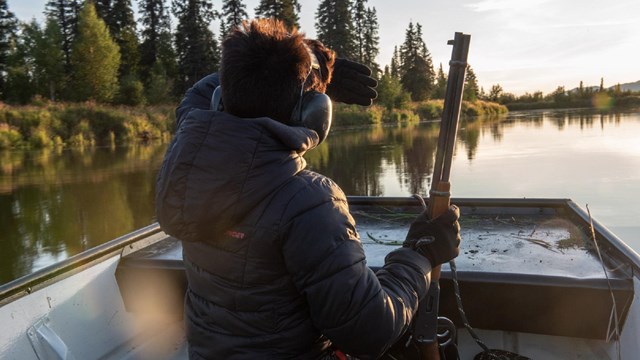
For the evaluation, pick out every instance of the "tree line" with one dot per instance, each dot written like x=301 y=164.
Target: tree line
x=581 y=96
x=94 y=50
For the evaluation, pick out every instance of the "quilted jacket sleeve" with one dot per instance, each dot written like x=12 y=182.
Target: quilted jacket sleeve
x=363 y=313
x=198 y=96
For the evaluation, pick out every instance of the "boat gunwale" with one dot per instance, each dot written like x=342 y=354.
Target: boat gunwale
x=30 y=283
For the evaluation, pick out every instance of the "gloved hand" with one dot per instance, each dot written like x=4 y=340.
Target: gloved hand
x=351 y=83
x=439 y=239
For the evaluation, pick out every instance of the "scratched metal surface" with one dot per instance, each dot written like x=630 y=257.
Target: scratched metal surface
x=526 y=244
x=521 y=243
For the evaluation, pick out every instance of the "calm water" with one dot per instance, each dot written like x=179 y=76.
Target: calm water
x=54 y=204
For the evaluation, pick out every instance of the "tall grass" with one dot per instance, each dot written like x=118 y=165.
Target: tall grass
x=82 y=124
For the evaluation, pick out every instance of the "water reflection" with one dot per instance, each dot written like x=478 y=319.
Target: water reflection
x=360 y=160
x=56 y=203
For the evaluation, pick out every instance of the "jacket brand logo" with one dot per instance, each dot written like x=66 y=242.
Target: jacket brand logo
x=235 y=234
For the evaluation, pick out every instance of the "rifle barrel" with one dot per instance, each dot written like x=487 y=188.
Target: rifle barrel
x=425 y=323
x=451 y=111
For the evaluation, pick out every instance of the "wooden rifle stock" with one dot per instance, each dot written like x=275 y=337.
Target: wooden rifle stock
x=426 y=320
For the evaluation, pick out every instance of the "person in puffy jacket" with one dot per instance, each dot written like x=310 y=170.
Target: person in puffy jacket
x=274 y=264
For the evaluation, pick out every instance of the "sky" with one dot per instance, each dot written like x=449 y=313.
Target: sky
x=523 y=45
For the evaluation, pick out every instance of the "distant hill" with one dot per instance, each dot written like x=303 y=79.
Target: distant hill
x=634 y=86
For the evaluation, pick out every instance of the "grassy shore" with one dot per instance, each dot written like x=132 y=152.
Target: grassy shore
x=345 y=115
x=82 y=124
x=90 y=124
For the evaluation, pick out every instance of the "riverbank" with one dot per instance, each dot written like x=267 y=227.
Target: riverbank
x=351 y=115
x=82 y=124
x=602 y=101
x=90 y=124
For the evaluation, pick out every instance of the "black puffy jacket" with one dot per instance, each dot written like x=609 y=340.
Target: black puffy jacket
x=274 y=264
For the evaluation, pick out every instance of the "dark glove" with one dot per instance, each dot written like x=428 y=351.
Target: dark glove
x=351 y=83
x=439 y=239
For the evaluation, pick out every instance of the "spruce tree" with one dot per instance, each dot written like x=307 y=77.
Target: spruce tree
x=196 y=47
x=394 y=69
x=122 y=27
x=45 y=51
x=156 y=46
x=8 y=29
x=371 y=41
x=334 y=27
x=65 y=13
x=359 y=15
x=441 y=84
x=471 y=89
x=95 y=58
x=416 y=67
x=19 y=67
x=285 y=10
x=232 y=14
x=103 y=9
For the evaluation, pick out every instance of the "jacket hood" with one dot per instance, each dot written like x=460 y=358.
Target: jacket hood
x=219 y=167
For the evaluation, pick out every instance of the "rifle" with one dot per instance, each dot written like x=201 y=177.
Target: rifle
x=425 y=328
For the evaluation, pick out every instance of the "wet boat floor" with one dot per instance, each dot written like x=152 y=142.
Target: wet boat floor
x=526 y=243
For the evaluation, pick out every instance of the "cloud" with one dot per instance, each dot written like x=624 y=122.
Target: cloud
x=493 y=5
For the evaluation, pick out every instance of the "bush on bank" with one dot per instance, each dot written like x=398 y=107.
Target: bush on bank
x=82 y=124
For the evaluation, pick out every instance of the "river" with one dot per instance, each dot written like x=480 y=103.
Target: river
x=55 y=203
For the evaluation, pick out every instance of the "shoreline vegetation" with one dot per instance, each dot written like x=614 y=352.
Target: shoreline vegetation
x=50 y=124
x=43 y=125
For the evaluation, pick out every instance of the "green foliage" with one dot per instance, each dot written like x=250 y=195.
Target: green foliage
x=9 y=136
x=232 y=14
x=482 y=108
x=334 y=27
x=156 y=47
x=122 y=27
x=471 y=89
x=391 y=95
x=82 y=125
x=495 y=94
x=45 y=50
x=416 y=67
x=196 y=47
x=399 y=116
x=285 y=10
x=629 y=101
x=8 y=29
x=158 y=89
x=440 y=90
x=430 y=109
x=371 y=41
x=131 y=91
x=95 y=59
x=65 y=14
x=349 y=115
